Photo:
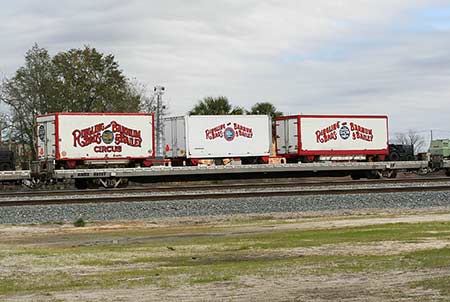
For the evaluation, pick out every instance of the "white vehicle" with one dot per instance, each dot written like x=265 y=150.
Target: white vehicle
x=244 y=137
x=76 y=139
x=332 y=137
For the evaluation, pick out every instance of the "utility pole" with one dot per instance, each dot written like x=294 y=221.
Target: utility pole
x=1 y=129
x=159 y=91
x=431 y=137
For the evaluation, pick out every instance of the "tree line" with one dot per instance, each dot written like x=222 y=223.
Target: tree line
x=222 y=106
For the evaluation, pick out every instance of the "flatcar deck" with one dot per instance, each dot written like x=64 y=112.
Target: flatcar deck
x=229 y=169
x=232 y=169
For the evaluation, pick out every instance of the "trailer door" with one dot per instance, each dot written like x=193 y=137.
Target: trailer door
x=293 y=139
x=175 y=137
x=46 y=137
x=281 y=136
x=287 y=136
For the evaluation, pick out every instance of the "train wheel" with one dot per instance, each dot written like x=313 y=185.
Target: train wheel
x=373 y=174
x=81 y=184
x=390 y=173
x=111 y=182
x=356 y=175
x=33 y=183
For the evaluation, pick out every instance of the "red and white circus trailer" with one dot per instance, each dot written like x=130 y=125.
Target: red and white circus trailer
x=78 y=139
x=310 y=138
x=197 y=137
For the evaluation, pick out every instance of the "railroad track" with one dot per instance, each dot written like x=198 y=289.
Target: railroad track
x=112 y=198
x=207 y=187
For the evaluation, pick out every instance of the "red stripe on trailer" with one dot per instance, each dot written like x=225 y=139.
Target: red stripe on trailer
x=57 y=155
x=329 y=116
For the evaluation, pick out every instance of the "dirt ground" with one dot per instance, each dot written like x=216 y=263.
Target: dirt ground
x=357 y=287
x=294 y=284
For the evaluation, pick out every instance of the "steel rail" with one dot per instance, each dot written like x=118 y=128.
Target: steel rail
x=146 y=198
x=177 y=187
x=240 y=185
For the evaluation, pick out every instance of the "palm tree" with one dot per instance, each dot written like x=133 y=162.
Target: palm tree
x=265 y=108
x=215 y=106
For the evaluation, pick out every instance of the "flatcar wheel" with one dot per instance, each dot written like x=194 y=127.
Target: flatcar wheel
x=390 y=174
x=34 y=183
x=356 y=175
x=112 y=182
x=81 y=184
x=372 y=174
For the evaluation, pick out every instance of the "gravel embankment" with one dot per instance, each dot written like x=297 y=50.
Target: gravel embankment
x=261 y=205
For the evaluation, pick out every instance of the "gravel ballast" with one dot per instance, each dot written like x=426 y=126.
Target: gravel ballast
x=208 y=207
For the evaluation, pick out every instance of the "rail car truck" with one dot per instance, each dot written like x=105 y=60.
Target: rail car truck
x=244 y=138
x=309 y=138
x=77 y=140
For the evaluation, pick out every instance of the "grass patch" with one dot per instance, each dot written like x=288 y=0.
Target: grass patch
x=433 y=258
x=275 y=239
x=79 y=223
x=442 y=285
x=62 y=281
x=211 y=278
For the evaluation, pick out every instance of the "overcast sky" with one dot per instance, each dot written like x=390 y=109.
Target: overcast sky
x=313 y=57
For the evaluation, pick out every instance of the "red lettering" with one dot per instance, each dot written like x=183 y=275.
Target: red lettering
x=107 y=149
x=93 y=135
x=328 y=133
x=361 y=133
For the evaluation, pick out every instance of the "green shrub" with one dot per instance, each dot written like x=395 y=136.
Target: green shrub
x=79 y=223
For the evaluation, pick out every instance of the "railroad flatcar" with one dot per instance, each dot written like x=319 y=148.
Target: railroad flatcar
x=309 y=138
x=190 y=139
x=74 y=140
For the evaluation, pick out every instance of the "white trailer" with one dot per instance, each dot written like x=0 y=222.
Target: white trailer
x=332 y=137
x=95 y=138
x=217 y=136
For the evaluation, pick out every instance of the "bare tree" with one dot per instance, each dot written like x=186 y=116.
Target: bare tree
x=410 y=138
x=3 y=127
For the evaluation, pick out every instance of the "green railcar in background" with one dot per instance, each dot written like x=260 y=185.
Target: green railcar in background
x=440 y=147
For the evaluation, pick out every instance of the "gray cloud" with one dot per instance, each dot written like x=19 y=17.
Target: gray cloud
x=304 y=56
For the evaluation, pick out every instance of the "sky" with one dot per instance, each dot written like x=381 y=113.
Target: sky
x=313 y=57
